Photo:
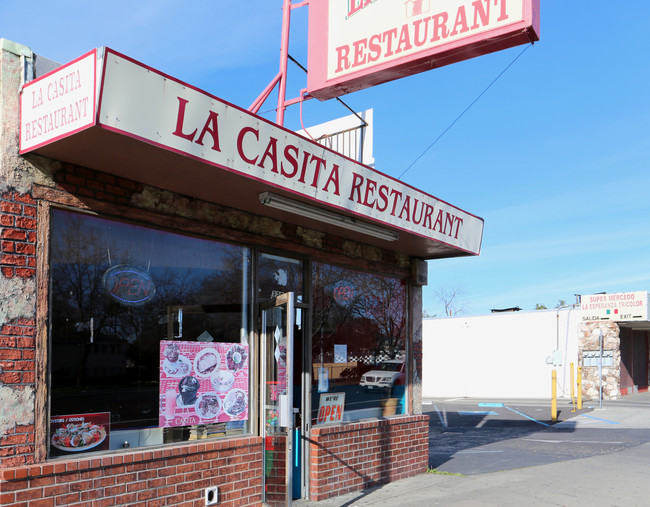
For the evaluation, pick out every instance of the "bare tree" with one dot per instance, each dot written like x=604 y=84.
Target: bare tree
x=450 y=297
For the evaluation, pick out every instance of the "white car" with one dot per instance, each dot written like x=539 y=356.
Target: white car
x=384 y=375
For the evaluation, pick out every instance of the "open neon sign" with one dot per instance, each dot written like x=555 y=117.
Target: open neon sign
x=344 y=293
x=129 y=285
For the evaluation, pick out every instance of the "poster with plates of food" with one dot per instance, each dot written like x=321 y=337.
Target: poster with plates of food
x=202 y=383
x=78 y=433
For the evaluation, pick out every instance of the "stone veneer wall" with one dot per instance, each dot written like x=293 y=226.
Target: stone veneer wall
x=589 y=339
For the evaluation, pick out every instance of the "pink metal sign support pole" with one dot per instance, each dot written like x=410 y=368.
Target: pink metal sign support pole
x=284 y=59
x=282 y=75
x=255 y=106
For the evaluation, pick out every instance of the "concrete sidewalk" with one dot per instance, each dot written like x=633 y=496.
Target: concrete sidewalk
x=605 y=480
x=618 y=478
x=631 y=411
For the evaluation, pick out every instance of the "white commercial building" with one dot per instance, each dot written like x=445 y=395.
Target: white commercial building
x=512 y=354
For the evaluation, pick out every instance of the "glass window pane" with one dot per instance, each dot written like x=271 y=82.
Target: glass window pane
x=359 y=341
x=277 y=275
x=120 y=289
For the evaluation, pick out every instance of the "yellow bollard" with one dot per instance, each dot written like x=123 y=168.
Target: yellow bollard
x=573 y=391
x=554 y=396
x=579 y=387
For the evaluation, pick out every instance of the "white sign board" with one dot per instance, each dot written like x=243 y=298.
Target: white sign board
x=620 y=306
x=140 y=102
x=593 y=358
x=359 y=43
x=59 y=103
x=372 y=35
x=331 y=408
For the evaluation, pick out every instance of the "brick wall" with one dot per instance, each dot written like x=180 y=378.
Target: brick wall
x=171 y=476
x=17 y=332
x=17 y=355
x=357 y=456
x=18 y=236
x=84 y=182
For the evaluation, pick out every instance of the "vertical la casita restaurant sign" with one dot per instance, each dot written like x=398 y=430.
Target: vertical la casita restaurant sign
x=59 y=103
x=355 y=44
x=144 y=104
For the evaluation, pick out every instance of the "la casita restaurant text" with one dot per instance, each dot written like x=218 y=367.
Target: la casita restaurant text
x=309 y=169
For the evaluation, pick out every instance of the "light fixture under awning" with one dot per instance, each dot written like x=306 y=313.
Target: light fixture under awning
x=328 y=217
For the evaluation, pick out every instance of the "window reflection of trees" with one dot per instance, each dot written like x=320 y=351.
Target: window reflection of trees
x=277 y=275
x=363 y=311
x=105 y=354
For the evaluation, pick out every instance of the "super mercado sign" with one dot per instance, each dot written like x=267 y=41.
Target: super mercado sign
x=355 y=44
x=618 y=306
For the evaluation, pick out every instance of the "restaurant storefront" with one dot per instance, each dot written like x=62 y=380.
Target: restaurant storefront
x=198 y=305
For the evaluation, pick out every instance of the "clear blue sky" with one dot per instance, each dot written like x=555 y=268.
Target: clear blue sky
x=555 y=156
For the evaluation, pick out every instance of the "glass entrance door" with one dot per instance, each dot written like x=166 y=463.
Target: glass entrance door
x=278 y=319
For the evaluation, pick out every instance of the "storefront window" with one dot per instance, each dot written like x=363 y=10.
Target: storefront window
x=359 y=344
x=277 y=275
x=149 y=336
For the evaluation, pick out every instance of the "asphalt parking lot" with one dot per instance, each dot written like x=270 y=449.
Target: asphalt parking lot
x=488 y=453
x=471 y=437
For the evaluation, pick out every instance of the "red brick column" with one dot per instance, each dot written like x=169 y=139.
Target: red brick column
x=17 y=333
x=360 y=455
x=18 y=236
x=17 y=351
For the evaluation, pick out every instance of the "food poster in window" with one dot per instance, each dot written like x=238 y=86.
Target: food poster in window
x=202 y=383
x=79 y=433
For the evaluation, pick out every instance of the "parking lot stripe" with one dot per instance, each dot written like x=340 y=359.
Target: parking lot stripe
x=599 y=419
x=443 y=417
x=573 y=441
x=526 y=416
x=477 y=452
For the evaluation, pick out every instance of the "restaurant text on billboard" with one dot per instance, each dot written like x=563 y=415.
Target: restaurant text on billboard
x=390 y=42
x=349 y=40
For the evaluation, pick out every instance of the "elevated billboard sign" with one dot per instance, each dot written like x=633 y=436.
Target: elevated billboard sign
x=619 y=306
x=356 y=44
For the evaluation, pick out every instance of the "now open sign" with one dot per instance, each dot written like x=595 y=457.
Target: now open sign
x=331 y=408
x=129 y=285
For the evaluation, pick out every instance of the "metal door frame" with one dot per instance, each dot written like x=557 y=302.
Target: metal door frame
x=288 y=300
